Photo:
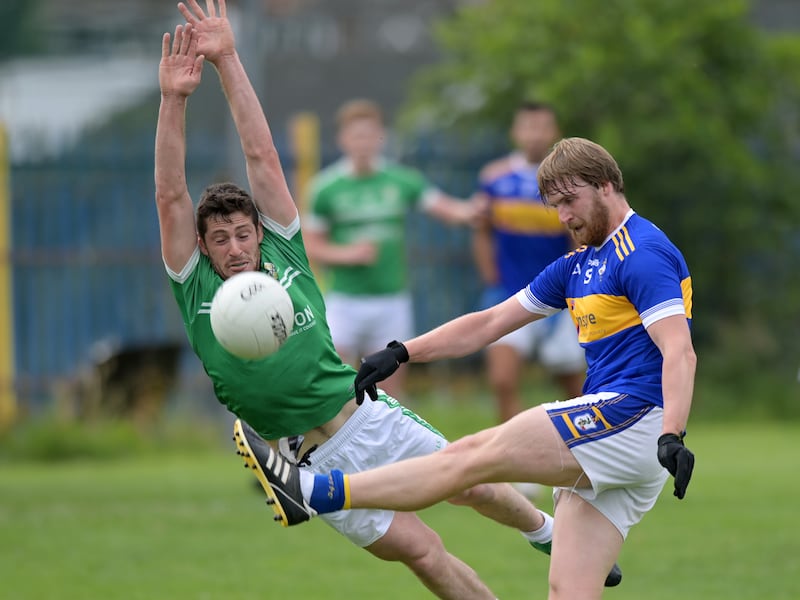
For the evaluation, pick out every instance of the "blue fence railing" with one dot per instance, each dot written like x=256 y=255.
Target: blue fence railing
x=87 y=267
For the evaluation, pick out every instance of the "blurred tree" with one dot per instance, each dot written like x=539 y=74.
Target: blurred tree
x=18 y=33
x=699 y=107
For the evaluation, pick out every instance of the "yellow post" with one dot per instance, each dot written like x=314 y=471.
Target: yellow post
x=8 y=398
x=304 y=136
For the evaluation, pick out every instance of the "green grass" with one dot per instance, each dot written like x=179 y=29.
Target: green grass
x=183 y=527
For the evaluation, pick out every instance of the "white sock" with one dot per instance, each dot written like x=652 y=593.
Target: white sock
x=306 y=483
x=544 y=533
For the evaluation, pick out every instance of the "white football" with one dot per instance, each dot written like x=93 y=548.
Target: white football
x=251 y=315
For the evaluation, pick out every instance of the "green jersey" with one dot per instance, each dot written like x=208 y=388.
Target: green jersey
x=304 y=384
x=370 y=207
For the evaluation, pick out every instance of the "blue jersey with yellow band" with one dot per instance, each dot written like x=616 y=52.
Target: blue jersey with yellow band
x=614 y=293
x=527 y=234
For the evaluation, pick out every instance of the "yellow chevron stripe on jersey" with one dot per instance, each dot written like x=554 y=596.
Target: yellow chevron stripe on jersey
x=686 y=289
x=600 y=315
x=623 y=243
x=525 y=217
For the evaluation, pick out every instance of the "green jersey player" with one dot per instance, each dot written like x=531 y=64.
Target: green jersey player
x=355 y=228
x=301 y=399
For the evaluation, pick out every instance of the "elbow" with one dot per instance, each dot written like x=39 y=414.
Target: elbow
x=167 y=197
x=690 y=359
x=263 y=152
x=169 y=187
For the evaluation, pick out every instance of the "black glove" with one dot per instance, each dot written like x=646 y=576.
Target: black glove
x=377 y=367
x=677 y=459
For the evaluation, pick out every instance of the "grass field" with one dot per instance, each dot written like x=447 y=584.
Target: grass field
x=194 y=527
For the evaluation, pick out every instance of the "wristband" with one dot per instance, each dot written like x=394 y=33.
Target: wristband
x=399 y=350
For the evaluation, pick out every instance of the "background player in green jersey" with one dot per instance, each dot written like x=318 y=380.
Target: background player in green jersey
x=301 y=398
x=355 y=228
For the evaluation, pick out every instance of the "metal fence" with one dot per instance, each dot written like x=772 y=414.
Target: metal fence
x=88 y=279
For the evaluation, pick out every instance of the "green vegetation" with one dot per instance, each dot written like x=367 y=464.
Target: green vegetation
x=699 y=106
x=18 y=28
x=190 y=524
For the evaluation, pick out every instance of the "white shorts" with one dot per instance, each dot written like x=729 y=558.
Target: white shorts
x=552 y=342
x=614 y=438
x=365 y=324
x=378 y=433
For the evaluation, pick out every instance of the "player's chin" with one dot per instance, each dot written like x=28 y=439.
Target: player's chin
x=577 y=235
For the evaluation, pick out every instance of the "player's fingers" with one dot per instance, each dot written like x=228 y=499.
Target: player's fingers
x=366 y=379
x=198 y=13
x=165 y=39
x=176 y=40
x=187 y=14
x=683 y=472
x=186 y=39
x=373 y=392
x=212 y=12
x=223 y=10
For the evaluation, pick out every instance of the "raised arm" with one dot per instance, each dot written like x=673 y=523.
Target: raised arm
x=216 y=42
x=178 y=76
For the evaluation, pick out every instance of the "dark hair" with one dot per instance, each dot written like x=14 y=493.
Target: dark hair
x=576 y=158
x=536 y=106
x=222 y=200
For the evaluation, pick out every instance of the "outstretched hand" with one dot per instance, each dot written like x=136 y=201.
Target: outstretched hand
x=215 y=37
x=678 y=460
x=181 y=67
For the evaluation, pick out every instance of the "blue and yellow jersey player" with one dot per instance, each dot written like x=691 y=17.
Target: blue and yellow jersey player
x=607 y=453
x=600 y=286
x=519 y=237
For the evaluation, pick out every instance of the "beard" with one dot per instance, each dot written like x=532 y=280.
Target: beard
x=595 y=228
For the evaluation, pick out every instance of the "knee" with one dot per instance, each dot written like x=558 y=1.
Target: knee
x=502 y=384
x=425 y=557
x=428 y=564
x=470 y=459
x=464 y=447
x=477 y=495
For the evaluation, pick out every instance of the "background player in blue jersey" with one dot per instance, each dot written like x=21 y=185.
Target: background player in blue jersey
x=608 y=452
x=519 y=237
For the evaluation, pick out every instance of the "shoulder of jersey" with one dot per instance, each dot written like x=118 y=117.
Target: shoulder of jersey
x=496 y=168
x=328 y=174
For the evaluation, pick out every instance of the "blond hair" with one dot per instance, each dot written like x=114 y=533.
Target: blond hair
x=359 y=108
x=574 y=159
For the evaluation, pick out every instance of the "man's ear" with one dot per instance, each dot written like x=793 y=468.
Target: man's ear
x=260 y=229
x=202 y=245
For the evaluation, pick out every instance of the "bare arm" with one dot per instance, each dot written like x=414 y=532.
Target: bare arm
x=469 y=333
x=673 y=339
x=483 y=251
x=454 y=211
x=321 y=250
x=264 y=172
x=179 y=75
